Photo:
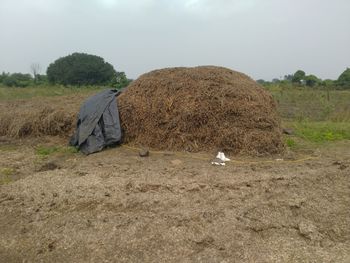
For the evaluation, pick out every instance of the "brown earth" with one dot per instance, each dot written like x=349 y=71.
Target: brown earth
x=115 y=206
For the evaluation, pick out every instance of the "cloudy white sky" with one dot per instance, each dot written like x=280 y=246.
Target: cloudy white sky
x=262 y=38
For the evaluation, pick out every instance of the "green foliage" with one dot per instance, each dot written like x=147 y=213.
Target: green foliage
x=320 y=132
x=298 y=76
x=316 y=104
x=288 y=77
x=344 y=79
x=6 y=175
x=300 y=79
x=3 y=76
x=120 y=80
x=41 y=79
x=16 y=80
x=290 y=143
x=45 y=151
x=80 y=69
x=312 y=80
x=327 y=83
x=8 y=171
x=261 y=81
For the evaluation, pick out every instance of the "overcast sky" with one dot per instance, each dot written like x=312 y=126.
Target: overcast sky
x=262 y=38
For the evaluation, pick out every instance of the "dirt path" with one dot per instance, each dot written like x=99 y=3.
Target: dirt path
x=117 y=207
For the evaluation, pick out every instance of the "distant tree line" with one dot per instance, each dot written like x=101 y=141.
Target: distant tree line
x=21 y=80
x=78 y=69
x=299 y=78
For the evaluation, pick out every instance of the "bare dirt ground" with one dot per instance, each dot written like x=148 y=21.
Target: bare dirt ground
x=115 y=206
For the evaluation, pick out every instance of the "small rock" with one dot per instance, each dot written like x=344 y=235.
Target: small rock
x=144 y=152
x=288 y=131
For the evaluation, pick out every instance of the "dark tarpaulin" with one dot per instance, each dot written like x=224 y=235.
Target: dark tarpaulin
x=98 y=124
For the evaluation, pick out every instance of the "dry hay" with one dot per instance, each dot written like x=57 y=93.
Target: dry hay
x=37 y=117
x=200 y=109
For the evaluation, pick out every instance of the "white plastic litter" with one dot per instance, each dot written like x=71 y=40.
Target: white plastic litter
x=222 y=157
x=217 y=161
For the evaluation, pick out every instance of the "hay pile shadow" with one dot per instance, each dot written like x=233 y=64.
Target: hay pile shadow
x=200 y=109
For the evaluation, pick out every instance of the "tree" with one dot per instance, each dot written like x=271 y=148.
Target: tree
x=80 y=69
x=344 y=79
x=312 y=80
x=35 y=70
x=3 y=76
x=288 y=77
x=327 y=83
x=120 y=80
x=298 y=76
x=261 y=81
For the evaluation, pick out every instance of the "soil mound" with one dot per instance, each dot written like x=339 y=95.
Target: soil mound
x=200 y=109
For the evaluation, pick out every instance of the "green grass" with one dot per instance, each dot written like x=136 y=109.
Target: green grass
x=6 y=175
x=45 y=151
x=320 y=132
x=307 y=104
x=291 y=143
x=7 y=93
x=8 y=147
x=7 y=171
x=317 y=116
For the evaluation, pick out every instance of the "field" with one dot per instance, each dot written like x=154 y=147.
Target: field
x=57 y=205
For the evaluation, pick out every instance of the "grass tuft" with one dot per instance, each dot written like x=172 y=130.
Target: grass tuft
x=6 y=175
x=45 y=151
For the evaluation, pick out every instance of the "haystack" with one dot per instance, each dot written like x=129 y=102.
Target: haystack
x=200 y=109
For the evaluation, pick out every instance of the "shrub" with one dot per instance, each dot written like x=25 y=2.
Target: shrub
x=17 y=80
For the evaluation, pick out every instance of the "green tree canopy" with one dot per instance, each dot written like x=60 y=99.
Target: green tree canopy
x=261 y=81
x=327 y=83
x=80 y=69
x=288 y=77
x=312 y=80
x=3 y=76
x=120 y=80
x=298 y=76
x=344 y=79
